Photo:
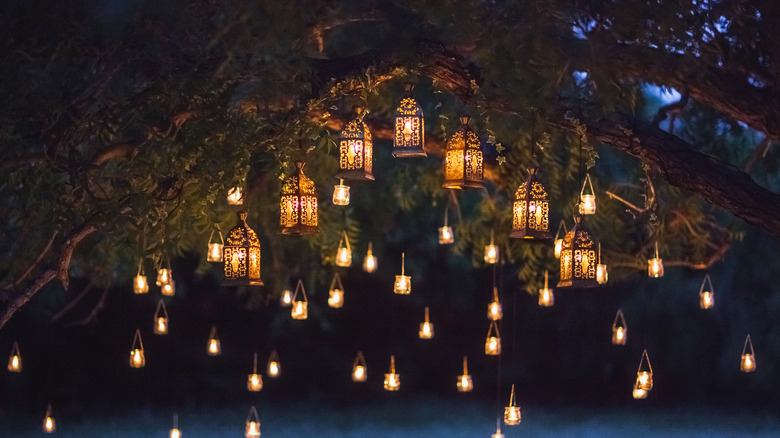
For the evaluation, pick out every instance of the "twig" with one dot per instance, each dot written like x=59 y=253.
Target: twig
x=37 y=261
x=627 y=203
x=68 y=307
x=93 y=314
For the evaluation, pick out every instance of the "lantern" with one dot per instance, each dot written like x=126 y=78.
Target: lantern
x=409 y=135
x=748 y=362
x=531 y=210
x=494 y=308
x=464 y=380
x=706 y=294
x=215 y=248
x=344 y=253
x=175 y=432
x=252 y=424
x=286 y=298
x=336 y=292
x=369 y=262
x=140 y=285
x=491 y=251
x=493 y=341
x=241 y=255
x=463 y=159
x=619 y=329
x=161 y=319
x=559 y=239
x=587 y=200
x=214 y=347
x=546 y=297
x=392 y=380
x=273 y=364
x=445 y=233
x=49 y=426
x=235 y=196
x=359 y=368
x=644 y=377
x=602 y=276
x=169 y=289
x=356 y=150
x=254 y=382
x=498 y=433
x=300 y=305
x=578 y=257
x=340 y=194
x=426 y=328
x=298 y=204
x=137 y=358
x=638 y=392
x=403 y=283
x=655 y=266
x=164 y=275
x=512 y=412
x=15 y=360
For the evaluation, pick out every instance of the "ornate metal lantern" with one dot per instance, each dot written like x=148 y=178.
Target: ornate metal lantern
x=655 y=266
x=252 y=424
x=748 y=362
x=161 y=319
x=403 y=283
x=426 y=327
x=494 y=312
x=463 y=159
x=235 y=196
x=559 y=239
x=254 y=382
x=273 y=365
x=214 y=347
x=587 y=200
x=619 y=329
x=300 y=304
x=409 y=135
x=359 y=368
x=706 y=293
x=578 y=257
x=299 y=214
x=356 y=150
x=49 y=425
x=140 y=285
x=340 y=193
x=464 y=380
x=344 y=252
x=602 y=276
x=241 y=255
x=392 y=380
x=15 y=360
x=546 y=297
x=215 y=248
x=175 y=432
x=493 y=340
x=137 y=358
x=336 y=292
x=644 y=377
x=491 y=251
x=531 y=210
x=369 y=263
x=512 y=412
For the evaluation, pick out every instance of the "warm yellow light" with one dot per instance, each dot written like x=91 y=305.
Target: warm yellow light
x=300 y=310
x=426 y=328
x=644 y=380
x=235 y=197
x=408 y=131
x=748 y=363
x=286 y=299
x=336 y=298
x=252 y=429
x=619 y=335
x=344 y=257
x=706 y=299
x=215 y=252
x=494 y=311
x=369 y=262
x=639 y=393
x=546 y=297
x=601 y=274
x=140 y=285
x=512 y=412
x=161 y=328
x=49 y=426
x=175 y=433
x=491 y=254
x=273 y=368
x=464 y=380
x=392 y=380
x=254 y=382
x=493 y=346
x=164 y=276
x=498 y=433
x=587 y=204
x=403 y=283
x=15 y=360
x=445 y=235
x=359 y=373
x=558 y=247
x=168 y=289
x=655 y=268
x=137 y=359
x=214 y=346
x=340 y=194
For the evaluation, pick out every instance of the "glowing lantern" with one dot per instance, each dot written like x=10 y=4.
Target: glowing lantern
x=298 y=204
x=463 y=159
x=644 y=377
x=336 y=292
x=15 y=360
x=494 y=308
x=655 y=266
x=356 y=150
x=392 y=380
x=409 y=135
x=165 y=275
x=344 y=253
x=214 y=346
x=286 y=299
x=241 y=255
x=493 y=340
x=498 y=433
x=512 y=412
x=638 y=393
x=602 y=276
x=403 y=283
x=546 y=297
x=426 y=328
x=252 y=424
x=140 y=285
x=49 y=426
x=748 y=362
x=300 y=305
x=215 y=248
x=340 y=194
x=706 y=295
x=161 y=319
x=273 y=364
x=359 y=368
x=445 y=233
x=169 y=289
x=464 y=380
x=137 y=358
x=587 y=200
x=491 y=251
x=175 y=432
x=369 y=263
x=619 y=329
x=559 y=239
x=531 y=210
x=235 y=196
x=254 y=382
x=578 y=257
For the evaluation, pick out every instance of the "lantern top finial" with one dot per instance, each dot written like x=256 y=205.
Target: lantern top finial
x=242 y=215
x=465 y=119
x=299 y=164
x=577 y=219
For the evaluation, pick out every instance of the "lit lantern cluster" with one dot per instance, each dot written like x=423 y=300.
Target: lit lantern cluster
x=392 y=380
x=359 y=373
x=747 y=363
x=619 y=329
x=644 y=378
x=463 y=161
x=512 y=412
x=336 y=292
x=531 y=210
x=298 y=204
x=426 y=327
x=546 y=297
x=578 y=257
x=403 y=283
x=706 y=293
x=15 y=360
x=300 y=304
x=241 y=255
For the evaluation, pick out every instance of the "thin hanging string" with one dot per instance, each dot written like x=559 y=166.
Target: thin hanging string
x=579 y=166
x=533 y=136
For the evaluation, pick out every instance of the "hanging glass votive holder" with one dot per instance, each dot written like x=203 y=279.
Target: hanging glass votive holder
x=336 y=292
x=655 y=266
x=369 y=262
x=602 y=276
x=491 y=251
x=638 y=393
x=403 y=283
x=252 y=424
x=392 y=380
x=175 y=432
x=498 y=433
x=559 y=238
x=619 y=329
x=587 y=200
x=15 y=360
x=644 y=375
x=137 y=358
x=494 y=312
x=214 y=347
x=300 y=305
x=446 y=235
x=161 y=319
x=168 y=289
x=215 y=248
x=273 y=368
x=344 y=253
x=235 y=196
x=465 y=384
x=426 y=327
x=546 y=296
x=493 y=340
x=254 y=382
x=286 y=299
x=165 y=275
x=140 y=285
x=512 y=412
x=706 y=293
x=49 y=425
x=359 y=368
x=340 y=193
x=748 y=362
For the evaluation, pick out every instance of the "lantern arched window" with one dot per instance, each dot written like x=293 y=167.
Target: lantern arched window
x=298 y=204
x=241 y=255
x=356 y=150
x=463 y=159
x=409 y=136
x=531 y=210
x=578 y=257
